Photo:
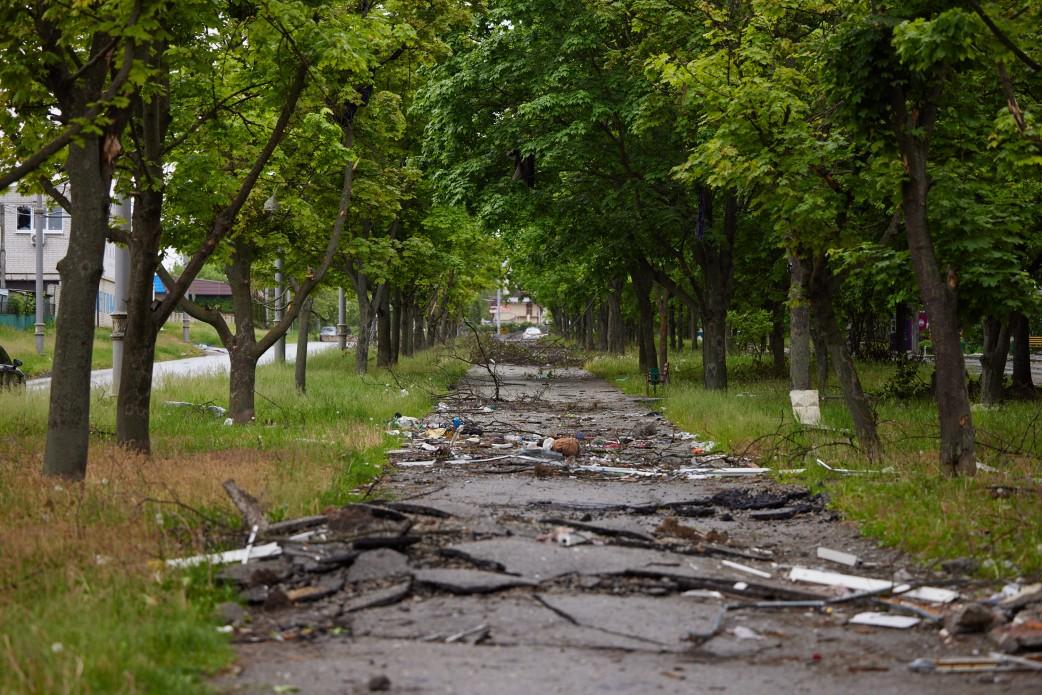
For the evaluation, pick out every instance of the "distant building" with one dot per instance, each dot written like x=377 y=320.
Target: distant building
x=18 y=251
x=516 y=308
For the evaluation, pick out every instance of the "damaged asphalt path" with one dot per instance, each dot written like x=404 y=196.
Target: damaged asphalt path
x=483 y=566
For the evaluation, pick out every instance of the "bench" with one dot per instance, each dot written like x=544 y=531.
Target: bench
x=1035 y=342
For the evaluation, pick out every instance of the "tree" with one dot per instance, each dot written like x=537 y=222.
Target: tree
x=67 y=83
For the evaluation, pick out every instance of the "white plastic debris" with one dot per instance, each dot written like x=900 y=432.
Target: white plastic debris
x=703 y=593
x=805 y=407
x=838 y=556
x=746 y=569
x=229 y=556
x=742 y=632
x=900 y=622
x=847 y=581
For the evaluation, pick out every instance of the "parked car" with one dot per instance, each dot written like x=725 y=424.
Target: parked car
x=532 y=333
x=327 y=334
x=10 y=374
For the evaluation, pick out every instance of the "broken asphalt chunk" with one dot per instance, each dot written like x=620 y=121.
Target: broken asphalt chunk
x=469 y=581
x=381 y=597
x=378 y=564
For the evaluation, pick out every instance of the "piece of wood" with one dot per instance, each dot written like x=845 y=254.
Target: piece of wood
x=247 y=505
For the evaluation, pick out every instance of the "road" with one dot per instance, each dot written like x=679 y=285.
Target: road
x=507 y=575
x=973 y=366
x=215 y=363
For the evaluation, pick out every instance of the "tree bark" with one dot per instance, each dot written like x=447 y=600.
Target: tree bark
x=938 y=292
x=419 y=339
x=993 y=359
x=821 y=358
x=663 y=329
x=68 y=422
x=383 y=329
x=823 y=287
x=799 y=325
x=397 y=311
x=616 y=326
x=777 y=339
x=1023 y=382
x=645 y=324
x=300 y=371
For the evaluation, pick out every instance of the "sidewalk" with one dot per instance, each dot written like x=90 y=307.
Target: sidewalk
x=214 y=363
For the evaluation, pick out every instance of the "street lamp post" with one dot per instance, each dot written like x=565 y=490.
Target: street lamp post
x=41 y=298
x=341 y=319
x=119 y=315
x=280 y=345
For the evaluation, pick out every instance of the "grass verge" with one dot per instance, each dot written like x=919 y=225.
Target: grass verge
x=995 y=518
x=84 y=606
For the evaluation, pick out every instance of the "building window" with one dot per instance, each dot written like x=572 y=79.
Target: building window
x=53 y=220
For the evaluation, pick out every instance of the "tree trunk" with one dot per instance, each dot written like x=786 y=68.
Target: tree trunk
x=68 y=422
x=242 y=383
x=823 y=287
x=1023 y=383
x=616 y=326
x=993 y=360
x=419 y=339
x=602 y=327
x=300 y=371
x=777 y=339
x=717 y=267
x=396 y=325
x=645 y=324
x=799 y=326
x=663 y=330
x=139 y=343
x=938 y=292
x=714 y=344
x=361 y=283
x=588 y=328
x=242 y=352
x=383 y=329
x=821 y=358
x=693 y=329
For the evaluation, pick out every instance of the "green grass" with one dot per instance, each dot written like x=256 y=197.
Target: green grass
x=22 y=345
x=85 y=604
x=912 y=507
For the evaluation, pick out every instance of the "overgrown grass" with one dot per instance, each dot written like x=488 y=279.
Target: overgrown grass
x=85 y=604
x=22 y=345
x=912 y=506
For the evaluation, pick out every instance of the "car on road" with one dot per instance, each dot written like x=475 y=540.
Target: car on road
x=532 y=333
x=10 y=374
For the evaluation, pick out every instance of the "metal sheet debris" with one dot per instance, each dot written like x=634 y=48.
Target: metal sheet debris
x=900 y=622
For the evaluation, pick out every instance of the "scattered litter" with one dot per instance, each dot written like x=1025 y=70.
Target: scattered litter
x=838 y=556
x=1019 y=597
x=744 y=633
x=215 y=410
x=566 y=446
x=562 y=535
x=847 y=581
x=505 y=445
x=850 y=471
x=900 y=622
x=435 y=433
x=805 y=407
x=406 y=423
x=930 y=594
x=969 y=618
x=703 y=593
x=746 y=569
x=740 y=586
x=994 y=662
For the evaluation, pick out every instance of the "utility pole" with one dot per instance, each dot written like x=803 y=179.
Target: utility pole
x=499 y=300
x=119 y=315
x=41 y=298
x=341 y=319
x=3 y=247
